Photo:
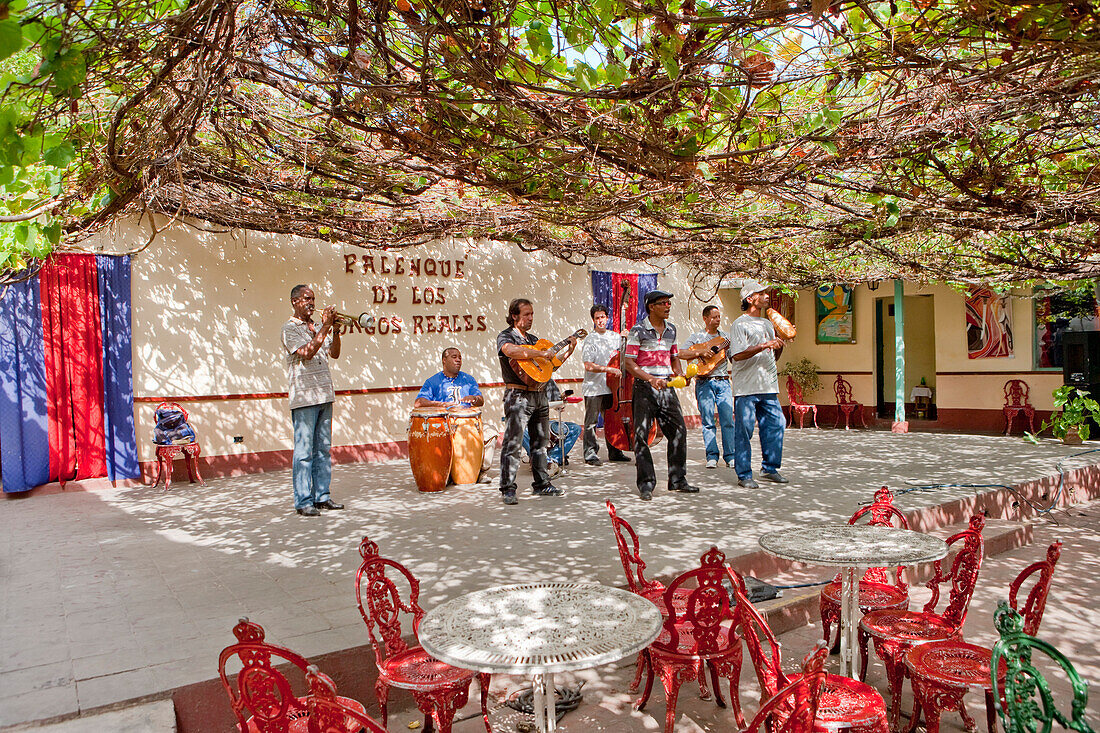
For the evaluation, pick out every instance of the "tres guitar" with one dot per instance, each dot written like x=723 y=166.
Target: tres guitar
x=535 y=372
x=717 y=354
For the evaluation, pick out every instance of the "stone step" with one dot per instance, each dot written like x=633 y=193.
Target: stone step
x=158 y=716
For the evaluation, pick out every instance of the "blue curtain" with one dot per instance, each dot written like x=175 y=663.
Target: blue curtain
x=118 y=373
x=24 y=432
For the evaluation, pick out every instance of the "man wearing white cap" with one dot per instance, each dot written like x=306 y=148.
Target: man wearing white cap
x=756 y=387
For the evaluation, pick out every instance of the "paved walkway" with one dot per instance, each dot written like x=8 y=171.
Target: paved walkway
x=116 y=594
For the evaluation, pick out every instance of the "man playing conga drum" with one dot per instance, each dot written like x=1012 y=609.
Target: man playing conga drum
x=453 y=387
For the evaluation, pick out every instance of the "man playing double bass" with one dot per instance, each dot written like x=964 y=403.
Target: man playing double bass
x=524 y=405
x=600 y=346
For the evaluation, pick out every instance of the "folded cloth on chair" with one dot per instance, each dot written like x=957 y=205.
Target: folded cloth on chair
x=172 y=428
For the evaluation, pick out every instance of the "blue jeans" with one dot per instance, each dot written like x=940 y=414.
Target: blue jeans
x=312 y=462
x=765 y=409
x=711 y=394
x=554 y=453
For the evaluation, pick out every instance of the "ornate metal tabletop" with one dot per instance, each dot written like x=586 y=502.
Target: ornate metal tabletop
x=853 y=545
x=539 y=628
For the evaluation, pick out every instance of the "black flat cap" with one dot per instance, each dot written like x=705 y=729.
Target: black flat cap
x=655 y=295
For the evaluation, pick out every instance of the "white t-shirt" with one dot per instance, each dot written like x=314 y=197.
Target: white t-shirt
x=757 y=374
x=598 y=348
x=722 y=369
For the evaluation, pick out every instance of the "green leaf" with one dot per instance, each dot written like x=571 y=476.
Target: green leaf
x=68 y=70
x=11 y=37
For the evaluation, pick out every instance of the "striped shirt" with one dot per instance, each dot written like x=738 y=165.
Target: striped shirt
x=650 y=351
x=310 y=381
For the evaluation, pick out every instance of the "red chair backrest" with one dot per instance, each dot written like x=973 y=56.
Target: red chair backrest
x=707 y=612
x=327 y=713
x=761 y=643
x=382 y=601
x=1017 y=393
x=962 y=574
x=798 y=700
x=630 y=553
x=1036 y=601
x=260 y=690
x=794 y=392
x=172 y=406
x=843 y=390
x=883 y=514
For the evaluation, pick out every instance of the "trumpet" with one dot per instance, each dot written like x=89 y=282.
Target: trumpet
x=365 y=320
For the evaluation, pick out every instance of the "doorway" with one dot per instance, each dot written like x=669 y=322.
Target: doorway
x=920 y=355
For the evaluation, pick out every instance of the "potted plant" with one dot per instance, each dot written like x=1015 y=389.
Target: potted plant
x=1071 y=425
x=804 y=374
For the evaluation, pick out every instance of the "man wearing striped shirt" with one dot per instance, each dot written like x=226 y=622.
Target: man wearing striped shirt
x=651 y=358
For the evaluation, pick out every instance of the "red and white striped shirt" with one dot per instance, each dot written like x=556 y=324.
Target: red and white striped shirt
x=651 y=351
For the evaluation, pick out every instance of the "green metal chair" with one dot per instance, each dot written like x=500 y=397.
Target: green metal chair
x=1026 y=704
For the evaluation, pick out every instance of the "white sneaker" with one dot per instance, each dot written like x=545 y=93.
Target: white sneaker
x=712 y=463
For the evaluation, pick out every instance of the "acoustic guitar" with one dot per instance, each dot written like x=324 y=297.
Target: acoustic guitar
x=537 y=371
x=708 y=362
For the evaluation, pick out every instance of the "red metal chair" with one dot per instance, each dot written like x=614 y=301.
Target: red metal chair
x=795 y=706
x=845 y=703
x=439 y=689
x=875 y=589
x=653 y=590
x=327 y=711
x=845 y=405
x=1017 y=400
x=943 y=671
x=166 y=454
x=895 y=632
x=798 y=404
x=701 y=633
x=262 y=698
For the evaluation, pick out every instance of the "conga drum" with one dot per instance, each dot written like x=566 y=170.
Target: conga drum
x=430 y=449
x=466 y=444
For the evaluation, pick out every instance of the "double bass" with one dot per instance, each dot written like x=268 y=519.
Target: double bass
x=618 y=419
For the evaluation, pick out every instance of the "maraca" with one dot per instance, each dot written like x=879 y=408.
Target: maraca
x=678 y=382
x=692 y=370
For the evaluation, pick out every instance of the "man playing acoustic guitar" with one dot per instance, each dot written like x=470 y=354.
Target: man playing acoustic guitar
x=712 y=384
x=524 y=404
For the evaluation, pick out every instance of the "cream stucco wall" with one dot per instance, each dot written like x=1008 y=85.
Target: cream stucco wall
x=960 y=382
x=208 y=309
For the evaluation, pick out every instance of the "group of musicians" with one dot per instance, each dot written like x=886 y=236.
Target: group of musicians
x=741 y=364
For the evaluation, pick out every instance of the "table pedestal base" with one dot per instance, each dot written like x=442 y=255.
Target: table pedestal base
x=849 y=619
x=545 y=702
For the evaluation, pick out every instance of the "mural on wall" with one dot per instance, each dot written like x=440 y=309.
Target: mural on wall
x=835 y=318
x=988 y=324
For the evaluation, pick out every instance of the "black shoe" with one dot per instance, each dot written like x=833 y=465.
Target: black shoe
x=685 y=489
x=328 y=504
x=309 y=511
x=509 y=497
x=619 y=459
x=593 y=461
x=776 y=477
x=748 y=483
x=646 y=495
x=550 y=490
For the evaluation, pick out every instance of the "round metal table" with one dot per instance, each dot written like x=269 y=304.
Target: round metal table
x=853 y=548
x=540 y=629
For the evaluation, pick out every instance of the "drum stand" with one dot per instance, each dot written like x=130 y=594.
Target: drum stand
x=560 y=407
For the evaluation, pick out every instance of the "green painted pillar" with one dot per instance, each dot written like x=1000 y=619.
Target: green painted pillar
x=899 y=345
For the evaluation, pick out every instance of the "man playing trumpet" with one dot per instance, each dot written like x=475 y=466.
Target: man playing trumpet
x=755 y=348
x=307 y=348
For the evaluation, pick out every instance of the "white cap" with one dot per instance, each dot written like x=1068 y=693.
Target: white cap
x=750 y=288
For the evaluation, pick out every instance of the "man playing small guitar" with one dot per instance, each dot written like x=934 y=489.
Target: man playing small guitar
x=524 y=404
x=712 y=385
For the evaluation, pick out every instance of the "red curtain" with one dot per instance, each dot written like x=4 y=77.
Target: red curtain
x=74 y=367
